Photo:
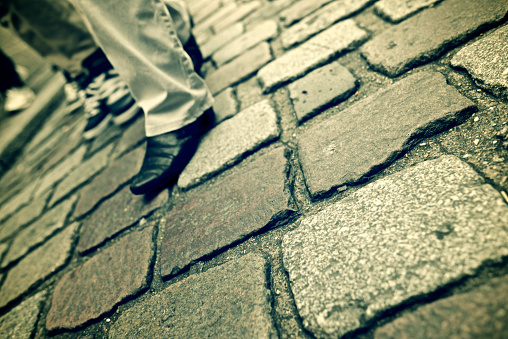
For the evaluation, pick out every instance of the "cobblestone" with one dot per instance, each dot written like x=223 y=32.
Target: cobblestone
x=481 y=313
x=428 y=34
x=398 y=10
x=133 y=136
x=240 y=68
x=228 y=301
x=225 y=105
x=226 y=144
x=18 y=200
x=264 y=31
x=20 y=321
x=325 y=86
x=299 y=10
x=241 y=12
x=115 y=215
x=195 y=228
x=320 y=49
x=370 y=134
x=486 y=61
x=395 y=239
x=37 y=266
x=219 y=40
x=102 y=282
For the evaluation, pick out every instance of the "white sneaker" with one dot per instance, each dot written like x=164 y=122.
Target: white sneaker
x=18 y=98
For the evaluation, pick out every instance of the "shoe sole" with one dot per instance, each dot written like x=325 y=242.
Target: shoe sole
x=126 y=116
x=90 y=134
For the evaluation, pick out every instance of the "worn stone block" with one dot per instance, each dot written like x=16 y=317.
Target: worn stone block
x=115 y=215
x=392 y=241
x=245 y=201
x=133 y=136
x=228 y=142
x=17 y=201
x=337 y=39
x=224 y=105
x=240 y=68
x=325 y=86
x=398 y=10
x=220 y=39
x=220 y=14
x=299 y=10
x=321 y=19
x=228 y=301
x=37 y=266
x=20 y=321
x=238 y=14
x=101 y=283
x=428 y=34
x=486 y=61
x=369 y=135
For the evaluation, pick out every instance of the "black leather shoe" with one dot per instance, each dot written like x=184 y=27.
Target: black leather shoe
x=167 y=155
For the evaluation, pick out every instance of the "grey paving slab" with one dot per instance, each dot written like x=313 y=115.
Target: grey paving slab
x=228 y=301
x=18 y=200
x=249 y=92
x=486 y=61
x=115 y=215
x=238 y=14
x=20 y=321
x=398 y=10
x=23 y=216
x=398 y=238
x=320 y=20
x=264 y=31
x=81 y=174
x=218 y=15
x=322 y=87
x=339 y=38
x=118 y=172
x=102 y=282
x=480 y=313
x=240 y=68
x=369 y=135
x=228 y=142
x=225 y=105
x=299 y=10
x=427 y=35
x=245 y=201
x=133 y=136
x=60 y=171
x=38 y=265
x=220 y=39
x=52 y=221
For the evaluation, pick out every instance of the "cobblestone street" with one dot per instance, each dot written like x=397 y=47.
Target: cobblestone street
x=354 y=185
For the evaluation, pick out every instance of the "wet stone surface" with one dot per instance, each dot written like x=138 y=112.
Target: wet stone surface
x=425 y=36
x=37 y=265
x=400 y=237
x=325 y=86
x=480 y=313
x=102 y=282
x=398 y=10
x=225 y=144
x=227 y=301
x=371 y=133
x=317 y=51
x=115 y=215
x=486 y=61
x=20 y=321
x=228 y=211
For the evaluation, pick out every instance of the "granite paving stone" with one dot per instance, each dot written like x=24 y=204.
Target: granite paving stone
x=37 y=265
x=429 y=34
x=299 y=10
x=227 y=301
x=81 y=174
x=102 y=282
x=220 y=39
x=240 y=68
x=237 y=15
x=20 y=321
x=225 y=105
x=221 y=13
x=264 y=31
x=324 y=86
x=205 y=10
x=398 y=10
x=267 y=11
x=18 y=200
x=321 y=19
x=369 y=135
x=36 y=233
x=228 y=211
x=24 y=215
x=117 y=173
x=115 y=215
x=60 y=171
x=248 y=93
x=486 y=61
x=339 y=38
x=481 y=313
x=396 y=239
x=133 y=136
x=228 y=142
